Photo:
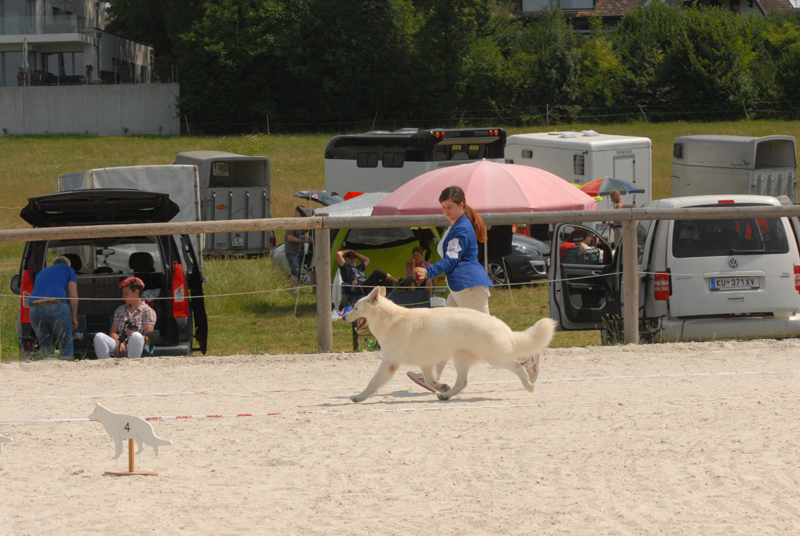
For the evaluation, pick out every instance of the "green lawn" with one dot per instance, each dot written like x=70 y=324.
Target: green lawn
x=265 y=322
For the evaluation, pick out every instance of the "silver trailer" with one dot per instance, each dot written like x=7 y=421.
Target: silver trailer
x=710 y=165
x=233 y=187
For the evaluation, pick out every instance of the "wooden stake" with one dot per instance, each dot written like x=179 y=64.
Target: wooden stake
x=131 y=467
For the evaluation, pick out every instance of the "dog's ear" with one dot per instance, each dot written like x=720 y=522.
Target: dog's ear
x=382 y=291
x=373 y=296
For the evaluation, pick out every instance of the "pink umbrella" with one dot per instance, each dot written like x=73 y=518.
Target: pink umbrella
x=489 y=187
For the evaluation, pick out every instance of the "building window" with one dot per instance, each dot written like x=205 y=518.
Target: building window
x=367 y=160
x=527 y=153
x=677 y=150
x=393 y=160
x=578 y=164
x=10 y=63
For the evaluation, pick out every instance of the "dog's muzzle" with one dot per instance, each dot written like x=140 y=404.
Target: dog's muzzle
x=361 y=322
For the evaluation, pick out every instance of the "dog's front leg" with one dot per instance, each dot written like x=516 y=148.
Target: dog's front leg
x=463 y=362
x=430 y=378
x=384 y=374
x=117 y=447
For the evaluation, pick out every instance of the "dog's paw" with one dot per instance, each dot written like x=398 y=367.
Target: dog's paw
x=442 y=396
x=356 y=399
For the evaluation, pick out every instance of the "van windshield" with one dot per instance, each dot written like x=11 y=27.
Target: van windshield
x=739 y=236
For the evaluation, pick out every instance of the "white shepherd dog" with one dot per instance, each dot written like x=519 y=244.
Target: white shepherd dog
x=425 y=337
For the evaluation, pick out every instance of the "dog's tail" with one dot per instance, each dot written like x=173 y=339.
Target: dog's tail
x=536 y=338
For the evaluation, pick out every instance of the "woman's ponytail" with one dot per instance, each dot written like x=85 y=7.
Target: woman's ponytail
x=477 y=223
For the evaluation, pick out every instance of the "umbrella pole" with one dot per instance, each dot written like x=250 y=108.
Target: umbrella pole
x=508 y=281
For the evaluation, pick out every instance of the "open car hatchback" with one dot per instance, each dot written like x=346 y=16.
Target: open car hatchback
x=166 y=264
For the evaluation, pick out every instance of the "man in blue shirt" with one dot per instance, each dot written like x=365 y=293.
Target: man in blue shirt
x=52 y=318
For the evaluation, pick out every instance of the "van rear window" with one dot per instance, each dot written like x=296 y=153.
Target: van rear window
x=717 y=238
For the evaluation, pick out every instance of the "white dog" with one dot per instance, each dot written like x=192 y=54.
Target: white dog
x=122 y=427
x=425 y=337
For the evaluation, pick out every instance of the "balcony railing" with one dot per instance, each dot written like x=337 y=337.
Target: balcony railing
x=126 y=74
x=18 y=25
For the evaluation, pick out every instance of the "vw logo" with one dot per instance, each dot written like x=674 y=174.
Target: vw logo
x=733 y=263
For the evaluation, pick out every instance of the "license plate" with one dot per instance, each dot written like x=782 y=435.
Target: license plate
x=237 y=242
x=733 y=283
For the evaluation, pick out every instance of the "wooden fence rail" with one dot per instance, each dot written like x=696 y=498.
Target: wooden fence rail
x=628 y=215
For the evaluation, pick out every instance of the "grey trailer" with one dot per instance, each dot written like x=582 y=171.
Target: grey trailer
x=233 y=187
x=710 y=165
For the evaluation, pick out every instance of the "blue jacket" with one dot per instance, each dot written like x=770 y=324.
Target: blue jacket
x=460 y=258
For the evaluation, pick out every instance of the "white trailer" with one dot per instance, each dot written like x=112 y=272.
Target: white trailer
x=710 y=165
x=180 y=182
x=581 y=157
x=233 y=187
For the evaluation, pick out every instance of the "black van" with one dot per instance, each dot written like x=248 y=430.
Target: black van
x=166 y=264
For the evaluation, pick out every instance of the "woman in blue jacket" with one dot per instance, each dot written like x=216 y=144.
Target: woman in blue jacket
x=466 y=278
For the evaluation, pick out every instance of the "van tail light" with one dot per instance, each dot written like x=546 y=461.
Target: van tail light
x=27 y=289
x=272 y=241
x=661 y=285
x=797 y=278
x=180 y=305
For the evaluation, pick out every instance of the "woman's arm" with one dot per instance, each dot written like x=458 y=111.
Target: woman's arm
x=454 y=248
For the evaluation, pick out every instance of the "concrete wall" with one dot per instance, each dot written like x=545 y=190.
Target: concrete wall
x=102 y=110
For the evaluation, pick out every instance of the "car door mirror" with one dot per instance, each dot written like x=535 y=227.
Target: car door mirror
x=15 y=287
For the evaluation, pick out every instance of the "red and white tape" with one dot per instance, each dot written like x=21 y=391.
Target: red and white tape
x=443 y=407
x=301 y=389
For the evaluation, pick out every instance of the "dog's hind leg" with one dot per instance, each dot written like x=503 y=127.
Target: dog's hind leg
x=519 y=370
x=463 y=361
x=139 y=445
x=384 y=374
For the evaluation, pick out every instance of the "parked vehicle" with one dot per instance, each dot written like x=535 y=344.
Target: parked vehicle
x=699 y=279
x=528 y=261
x=168 y=265
x=381 y=161
x=581 y=157
x=233 y=187
x=179 y=182
x=710 y=165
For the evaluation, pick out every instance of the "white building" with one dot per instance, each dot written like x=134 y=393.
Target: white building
x=71 y=76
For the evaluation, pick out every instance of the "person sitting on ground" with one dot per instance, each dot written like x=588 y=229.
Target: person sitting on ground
x=132 y=321
x=52 y=319
x=417 y=261
x=353 y=273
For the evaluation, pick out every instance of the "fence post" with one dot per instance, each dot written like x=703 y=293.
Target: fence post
x=630 y=282
x=322 y=256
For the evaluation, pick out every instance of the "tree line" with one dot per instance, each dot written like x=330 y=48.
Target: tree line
x=323 y=64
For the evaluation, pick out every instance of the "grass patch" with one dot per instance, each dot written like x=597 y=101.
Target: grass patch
x=265 y=322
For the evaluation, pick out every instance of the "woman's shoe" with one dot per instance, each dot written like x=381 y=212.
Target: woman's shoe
x=419 y=379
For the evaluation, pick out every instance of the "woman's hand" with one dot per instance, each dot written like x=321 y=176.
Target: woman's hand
x=420 y=273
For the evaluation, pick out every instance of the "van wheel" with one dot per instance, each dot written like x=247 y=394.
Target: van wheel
x=497 y=273
x=305 y=278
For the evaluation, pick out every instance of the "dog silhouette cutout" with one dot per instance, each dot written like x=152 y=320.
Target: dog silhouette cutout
x=122 y=427
x=4 y=439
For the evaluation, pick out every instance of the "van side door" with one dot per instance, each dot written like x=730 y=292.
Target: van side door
x=582 y=281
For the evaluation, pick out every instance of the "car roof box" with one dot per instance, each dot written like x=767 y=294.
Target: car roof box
x=99 y=206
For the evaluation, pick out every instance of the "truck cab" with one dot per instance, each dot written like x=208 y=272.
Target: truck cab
x=699 y=279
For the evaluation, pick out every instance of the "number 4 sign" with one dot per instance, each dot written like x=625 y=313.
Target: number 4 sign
x=121 y=427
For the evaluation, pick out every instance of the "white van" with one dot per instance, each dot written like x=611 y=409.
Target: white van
x=698 y=279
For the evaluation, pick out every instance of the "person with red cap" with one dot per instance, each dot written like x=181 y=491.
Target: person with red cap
x=131 y=323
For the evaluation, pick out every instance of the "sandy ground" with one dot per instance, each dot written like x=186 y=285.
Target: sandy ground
x=682 y=439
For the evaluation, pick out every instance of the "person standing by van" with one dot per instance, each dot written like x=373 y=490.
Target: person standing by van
x=294 y=239
x=467 y=280
x=54 y=308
